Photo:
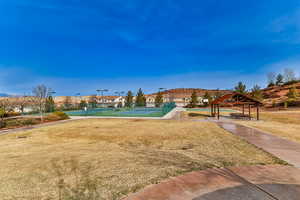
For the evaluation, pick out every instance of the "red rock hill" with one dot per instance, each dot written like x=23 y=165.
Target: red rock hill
x=278 y=94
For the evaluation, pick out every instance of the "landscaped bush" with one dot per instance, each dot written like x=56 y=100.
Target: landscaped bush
x=13 y=123
x=2 y=124
x=291 y=82
x=58 y=115
x=12 y=114
x=290 y=103
x=29 y=121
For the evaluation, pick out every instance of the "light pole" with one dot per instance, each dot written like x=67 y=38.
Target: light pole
x=102 y=91
x=160 y=89
x=78 y=95
x=52 y=93
x=119 y=93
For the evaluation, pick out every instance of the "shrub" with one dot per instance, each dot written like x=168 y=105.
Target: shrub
x=11 y=114
x=293 y=103
x=291 y=82
x=273 y=103
x=29 y=121
x=285 y=104
x=62 y=115
x=13 y=123
x=2 y=124
x=58 y=115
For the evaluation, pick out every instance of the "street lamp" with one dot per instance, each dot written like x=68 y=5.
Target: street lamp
x=102 y=91
x=52 y=93
x=78 y=95
x=119 y=93
x=160 y=89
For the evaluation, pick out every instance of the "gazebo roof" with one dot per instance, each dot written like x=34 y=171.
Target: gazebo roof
x=236 y=98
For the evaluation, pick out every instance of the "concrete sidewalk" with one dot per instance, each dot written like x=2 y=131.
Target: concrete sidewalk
x=238 y=183
x=286 y=150
x=15 y=130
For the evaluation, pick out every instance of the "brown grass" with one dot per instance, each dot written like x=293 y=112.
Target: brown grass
x=126 y=155
x=283 y=124
x=290 y=117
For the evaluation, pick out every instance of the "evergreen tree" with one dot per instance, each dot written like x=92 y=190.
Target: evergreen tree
x=129 y=99
x=82 y=104
x=256 y=92
x=50 y=105
x=240 y=88
x=2 y=114
x=92 y=101
x=159 y=99
x=293 y=93
x=279 y=79
x=194 y=100
x=140 y=100
x=271 y=85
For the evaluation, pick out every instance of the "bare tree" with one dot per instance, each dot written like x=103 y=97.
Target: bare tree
x=7 y=104
x=41 y=93
x=289 y=75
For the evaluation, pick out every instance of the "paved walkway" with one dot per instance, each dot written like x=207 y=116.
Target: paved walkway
x=15 y=130
x=241 y=183
x=286 y=150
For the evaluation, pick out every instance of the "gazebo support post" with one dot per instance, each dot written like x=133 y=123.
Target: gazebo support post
x=243 y=109
x=257 y=110
x=212 y=109
x=218 y=111
x=249 y=111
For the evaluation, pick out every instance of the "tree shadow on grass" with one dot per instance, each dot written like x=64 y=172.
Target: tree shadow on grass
x=198 y=115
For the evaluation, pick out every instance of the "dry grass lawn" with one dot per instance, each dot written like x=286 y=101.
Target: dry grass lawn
x=284 y=124
x=289 y=117
x=125 y=155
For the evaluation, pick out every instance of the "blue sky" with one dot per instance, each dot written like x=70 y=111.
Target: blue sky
x=80 y=46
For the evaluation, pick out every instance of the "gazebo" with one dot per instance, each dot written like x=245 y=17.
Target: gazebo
x=236 y=99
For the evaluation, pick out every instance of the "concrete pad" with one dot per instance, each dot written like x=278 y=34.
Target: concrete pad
x=244 y=183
